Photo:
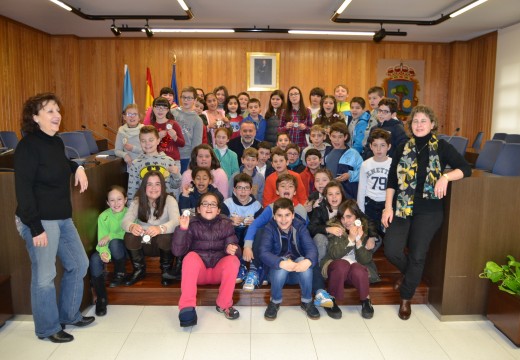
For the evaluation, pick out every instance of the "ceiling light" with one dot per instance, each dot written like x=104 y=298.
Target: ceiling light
x=115 y=29
x=62 y=4
x=193 y=30
x=465 y=8
x=183 y=5
x=380 y=35
x=343 y=6
x=147 y=30
x=324 y=32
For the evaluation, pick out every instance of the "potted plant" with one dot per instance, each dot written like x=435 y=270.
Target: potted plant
x=503 y=308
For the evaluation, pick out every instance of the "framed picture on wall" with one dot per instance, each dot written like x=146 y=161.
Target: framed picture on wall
x=263 y=71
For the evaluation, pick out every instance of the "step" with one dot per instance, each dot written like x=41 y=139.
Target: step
x=149 y=291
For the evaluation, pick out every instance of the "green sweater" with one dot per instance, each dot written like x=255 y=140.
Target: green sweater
x=109 y=223
x=228 y=162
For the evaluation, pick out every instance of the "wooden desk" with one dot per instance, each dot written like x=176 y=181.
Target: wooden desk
x=14 y=259
x=480 y=224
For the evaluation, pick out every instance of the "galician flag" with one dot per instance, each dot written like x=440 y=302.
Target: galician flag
x=128 y=91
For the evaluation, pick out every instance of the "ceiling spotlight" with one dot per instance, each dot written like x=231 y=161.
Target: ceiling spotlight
x=380 y=35
x=115 y=30
x=147 y=30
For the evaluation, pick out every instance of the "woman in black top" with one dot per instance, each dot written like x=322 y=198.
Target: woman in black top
x=44 y=219
x=416 y=185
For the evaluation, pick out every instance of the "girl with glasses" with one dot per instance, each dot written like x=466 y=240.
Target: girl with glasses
x=127 y=144
x=211 y=256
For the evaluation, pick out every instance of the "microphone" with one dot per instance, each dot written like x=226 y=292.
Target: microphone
x=454 y=133
x=95 y=133
x=110 y=129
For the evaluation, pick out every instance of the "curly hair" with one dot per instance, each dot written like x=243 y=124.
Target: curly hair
x=32 y=107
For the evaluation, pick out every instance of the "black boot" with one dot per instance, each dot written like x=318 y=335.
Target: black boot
x=137 y=257
x=177 y=268
x=119 y=273
x=166 y=259
x=101 y=302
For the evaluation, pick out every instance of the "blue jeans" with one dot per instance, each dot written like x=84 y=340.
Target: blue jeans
x=184 y=165
x=117 y=251
x=281 y=277
x=64 y=242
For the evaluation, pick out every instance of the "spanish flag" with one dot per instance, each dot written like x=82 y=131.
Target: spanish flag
x=149 y=90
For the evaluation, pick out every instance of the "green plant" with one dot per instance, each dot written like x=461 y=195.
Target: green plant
x=508 y=274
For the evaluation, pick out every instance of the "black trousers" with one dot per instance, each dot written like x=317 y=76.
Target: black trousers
x=416 y=232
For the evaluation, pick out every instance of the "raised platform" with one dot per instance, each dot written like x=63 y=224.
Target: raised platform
x=149 y=291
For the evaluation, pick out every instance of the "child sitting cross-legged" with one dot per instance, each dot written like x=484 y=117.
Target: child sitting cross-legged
x=243 y=209
x=286 y=247
x=211 y=256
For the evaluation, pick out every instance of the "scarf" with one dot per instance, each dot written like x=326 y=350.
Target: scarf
x=407 y=175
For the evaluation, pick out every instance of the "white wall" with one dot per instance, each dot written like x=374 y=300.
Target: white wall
x=506 y=101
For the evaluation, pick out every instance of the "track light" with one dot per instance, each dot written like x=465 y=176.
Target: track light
x=380 y=35
x=115 y=30
x=62 y=5
x=466 y=8
x=147 y=30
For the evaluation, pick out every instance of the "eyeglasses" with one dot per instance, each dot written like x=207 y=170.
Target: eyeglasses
x=187 y=98
x=294 y=94
x=244 y=188
x=131 y=115
x=384 y=112
x=209 y=205
x=161 y=107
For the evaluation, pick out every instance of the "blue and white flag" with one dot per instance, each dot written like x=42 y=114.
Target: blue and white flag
x=128 y=91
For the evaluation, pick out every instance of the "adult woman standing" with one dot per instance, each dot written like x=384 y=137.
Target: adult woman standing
x=44 y=219
x=416 y=184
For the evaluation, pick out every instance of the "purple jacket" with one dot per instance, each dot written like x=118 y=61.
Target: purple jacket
x=208 y=238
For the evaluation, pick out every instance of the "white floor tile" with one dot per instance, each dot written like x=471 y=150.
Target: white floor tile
x=350 y=345
x=23 y=344
x=219 y=346
x=120 y=318
x=210 y=321
x=8 y=327
x=290 y=320
x=408 y=344
x=501 y=339
x=166 y=345
x=158 y=319
x=91 y=344
x=282 y=346
x=431 y=322
x=386 y=319
x=470 y=344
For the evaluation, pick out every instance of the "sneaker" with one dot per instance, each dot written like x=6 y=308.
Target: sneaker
x=310 y=309
x=251 y=281
x=272 y=311
x=188 y=317
x=367 y=311
x=242 y=270
x=262 y=276
x=323 y=299
x=334 y=311
x=230 y=313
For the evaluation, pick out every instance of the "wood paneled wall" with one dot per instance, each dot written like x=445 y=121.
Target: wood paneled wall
x=88 y=73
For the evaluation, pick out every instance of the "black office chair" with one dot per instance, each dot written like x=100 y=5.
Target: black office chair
x=477 y=143
x=512 y=139
x=499 y=136
x=9 y=139
x=488 y=155
x=508 y=161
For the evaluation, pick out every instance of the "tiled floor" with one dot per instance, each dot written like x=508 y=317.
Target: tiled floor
x=153 y=332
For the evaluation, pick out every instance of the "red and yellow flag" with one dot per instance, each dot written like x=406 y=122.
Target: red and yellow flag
x=149 y=90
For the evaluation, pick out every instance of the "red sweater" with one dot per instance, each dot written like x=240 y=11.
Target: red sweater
x=270 y=195
x=167 y=145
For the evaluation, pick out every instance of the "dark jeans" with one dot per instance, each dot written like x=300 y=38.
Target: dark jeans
x=416 y=232
x=118 y=252
x=374 y=210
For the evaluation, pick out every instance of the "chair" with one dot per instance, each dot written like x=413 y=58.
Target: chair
x=499 y=136
x=512 y=139
x=508 y=161
x=477 y=143
x=75 y=144
x=459 y=143
x=9 y=139
x=488 y=155
x=443 y=137
x=92 y=145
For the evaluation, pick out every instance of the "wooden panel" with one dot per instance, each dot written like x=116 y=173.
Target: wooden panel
x=88 y=73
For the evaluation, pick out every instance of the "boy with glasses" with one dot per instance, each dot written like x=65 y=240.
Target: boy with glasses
x=387 y=117
x=249 y=167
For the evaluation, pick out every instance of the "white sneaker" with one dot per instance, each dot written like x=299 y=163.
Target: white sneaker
x=323 y=299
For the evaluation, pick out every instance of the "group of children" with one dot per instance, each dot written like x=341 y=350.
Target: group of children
x=294 y=213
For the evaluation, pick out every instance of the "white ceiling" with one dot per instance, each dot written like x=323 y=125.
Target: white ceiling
x=286 y=14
